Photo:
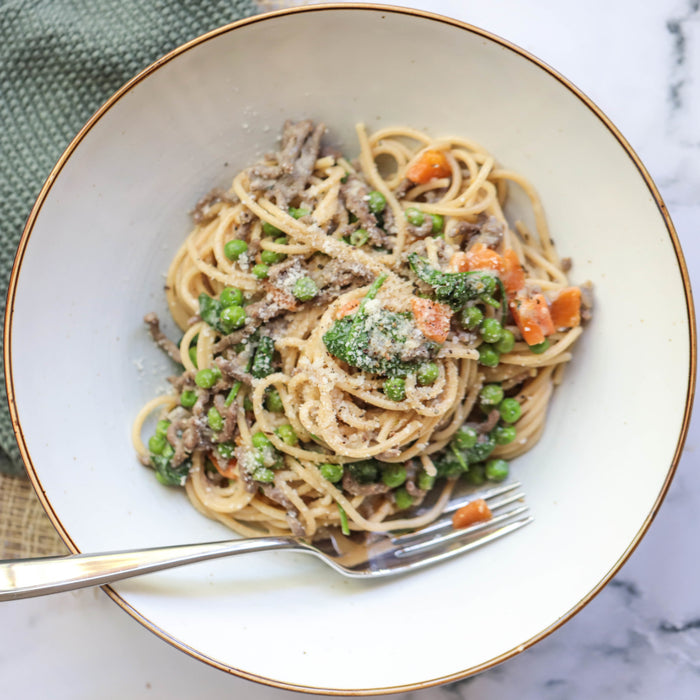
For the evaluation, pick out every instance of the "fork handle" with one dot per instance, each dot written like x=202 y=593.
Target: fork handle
x=26 y=578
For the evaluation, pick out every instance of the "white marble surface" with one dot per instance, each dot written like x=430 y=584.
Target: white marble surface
x=640 y=637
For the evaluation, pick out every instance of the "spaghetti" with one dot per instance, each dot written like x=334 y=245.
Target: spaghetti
x=357 y=336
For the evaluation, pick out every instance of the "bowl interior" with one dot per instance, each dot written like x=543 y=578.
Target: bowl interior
x=81 y=365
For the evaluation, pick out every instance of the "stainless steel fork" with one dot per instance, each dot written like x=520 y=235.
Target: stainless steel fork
x=380 y=555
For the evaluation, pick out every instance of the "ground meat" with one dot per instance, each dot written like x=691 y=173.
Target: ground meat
x=278 y=496
x=425 y=229
x=230 y=416
x=491 y=232
x=160 y=339
x=336 y=277
x=586 y=300
x=264 y=310
x=300 y=148
x=182 y=381
x=233 y=370
x=490 y=423
x=191 y=437
x=202 y=210
x=354 y=192
x=356 y=489
x=234 y=338
x=404 y=186
x=179 y=421
x=466 y=230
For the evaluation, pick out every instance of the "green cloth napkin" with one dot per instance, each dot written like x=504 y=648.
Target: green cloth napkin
x=59 y=61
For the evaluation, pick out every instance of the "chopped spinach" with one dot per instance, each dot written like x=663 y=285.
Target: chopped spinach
x=455 y=461
x=167 y=474
x=376 y=343
x=365 y=472
x=481 y=450
x=209 y=310
x=262 y=364
x=375 y=346
x=456 y=288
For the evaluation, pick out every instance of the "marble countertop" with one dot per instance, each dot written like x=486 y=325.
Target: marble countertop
x=640 y=637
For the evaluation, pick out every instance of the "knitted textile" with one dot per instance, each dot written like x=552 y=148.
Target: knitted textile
x=59 y=61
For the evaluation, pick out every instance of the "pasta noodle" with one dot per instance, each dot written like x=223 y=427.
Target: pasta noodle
x=357 y=336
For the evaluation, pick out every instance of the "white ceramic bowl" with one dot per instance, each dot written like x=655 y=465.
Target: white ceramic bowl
x=79 y=363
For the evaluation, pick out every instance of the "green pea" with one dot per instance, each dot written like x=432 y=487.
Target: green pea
x=260 y=271
x=425 y=481
x=264 y=475
x=496 y=469
x=287 y=434
x=395 y=389
x=438 y=223
x=232 y=317
x=476 y=475
x=539 y=348
x=414 y=216
x=510 y=410
x=491 y=394
x=503 y=434
x=192 y=353
x=471 y=317
x=230 y=296
x=488 y=355
x=269 y=229
x=359 y=237
x=506 y=343
x=394 y=475
x=162 y=427
x=403 y=499
x=427 y=373
x=269 y=257
x=491 y=330
x=235 y=248
x=247 y=403
x=214 y=419
x=226 y=450
x=305 y=289
x=465 y=438
x=376 y=201
x=206 y=378
x=260 y=440
x=168 y=451
x=273 y=401
x=331 y=472
x=156 y=444
x=298 y=212
x=188 y=398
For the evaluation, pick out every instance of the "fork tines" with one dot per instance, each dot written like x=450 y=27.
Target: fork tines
x=508 y=513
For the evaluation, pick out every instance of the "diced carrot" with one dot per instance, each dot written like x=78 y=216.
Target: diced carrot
x=475 y=511
x=479 y=257
x=513 y=273
x=531 y=315
x=459 y=262
x=429 y=164
x=348 y=308
x=432 y=318
x=566 y=308
x=225 y=468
